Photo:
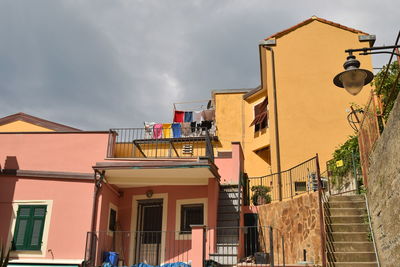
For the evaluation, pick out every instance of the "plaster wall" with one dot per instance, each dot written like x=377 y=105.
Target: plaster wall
x=179 y=248
x=311 y=109
x=70 y=213
x=62 y=152
x=383 y=190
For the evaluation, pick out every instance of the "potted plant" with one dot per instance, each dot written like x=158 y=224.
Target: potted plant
x=260 y=195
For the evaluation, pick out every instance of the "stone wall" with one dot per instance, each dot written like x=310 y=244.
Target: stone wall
x=298 y=222
x=384 y=190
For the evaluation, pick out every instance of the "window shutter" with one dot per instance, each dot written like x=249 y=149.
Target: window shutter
x=29 y=227
x=39 y=215
x=21 y=227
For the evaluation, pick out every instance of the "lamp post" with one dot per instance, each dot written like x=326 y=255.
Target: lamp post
x=353 y=78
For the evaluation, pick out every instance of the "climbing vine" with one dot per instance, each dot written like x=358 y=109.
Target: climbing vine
x=345 y=153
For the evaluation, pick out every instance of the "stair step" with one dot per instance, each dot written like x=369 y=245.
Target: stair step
x=352 y=237
x=347 y=219
x=347 y=211
x=228 y=201
x=229 y=231
x=227 y=223
x=227 y=249
x=355 y=264
x=228 y=217
x=227 y=239
x=228 y=195
x=346 y=204
x=354 y=227
x=228 y=209
x=353 y=246
x=355 y=256
x=347 y=198
x=224 y=259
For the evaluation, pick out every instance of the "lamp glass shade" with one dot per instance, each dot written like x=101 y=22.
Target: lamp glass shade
x=353 y=80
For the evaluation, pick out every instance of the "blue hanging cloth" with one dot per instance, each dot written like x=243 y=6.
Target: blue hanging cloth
x=188 y=116
x=176 y=130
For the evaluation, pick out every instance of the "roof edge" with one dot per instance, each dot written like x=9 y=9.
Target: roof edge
x=307 y=21
x=37 y=121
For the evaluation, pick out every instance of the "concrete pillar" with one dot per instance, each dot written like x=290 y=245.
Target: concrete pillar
x=197 y=251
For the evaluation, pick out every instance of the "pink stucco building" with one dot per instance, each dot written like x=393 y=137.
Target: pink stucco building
x=67 y=196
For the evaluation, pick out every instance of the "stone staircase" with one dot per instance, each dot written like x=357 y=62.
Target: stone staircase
x=228 y=220
x=348 y=232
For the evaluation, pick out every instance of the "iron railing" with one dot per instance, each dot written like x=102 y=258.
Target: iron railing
x=258 y=245
x=248 y=245
x=152 y=247
x=168 y=142
x=368 y=133
x=297 y=180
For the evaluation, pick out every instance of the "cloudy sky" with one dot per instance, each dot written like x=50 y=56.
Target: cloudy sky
x=99 y=64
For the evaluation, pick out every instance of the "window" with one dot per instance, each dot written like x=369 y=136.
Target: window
x=260 y=116
x=191 y=214
x=112 y=220
x=29 y=227
x=300 y=186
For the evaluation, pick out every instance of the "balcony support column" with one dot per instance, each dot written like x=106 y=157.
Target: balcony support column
x=198 y=245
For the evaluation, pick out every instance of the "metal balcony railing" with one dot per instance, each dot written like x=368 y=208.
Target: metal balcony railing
x=169 y=142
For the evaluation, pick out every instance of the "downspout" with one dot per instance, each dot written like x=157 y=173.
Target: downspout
x=278 y=152
x=98 y=183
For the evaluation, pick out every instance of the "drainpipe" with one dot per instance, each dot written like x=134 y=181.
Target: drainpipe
x=278 y=151
x=98 y=182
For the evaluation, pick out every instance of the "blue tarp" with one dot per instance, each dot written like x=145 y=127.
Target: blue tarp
x=175 y=264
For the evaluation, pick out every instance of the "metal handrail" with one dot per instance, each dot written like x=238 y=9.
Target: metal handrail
x=372 y=232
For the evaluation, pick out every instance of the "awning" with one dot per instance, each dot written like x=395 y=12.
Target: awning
x=157 y=172
x=259 y=118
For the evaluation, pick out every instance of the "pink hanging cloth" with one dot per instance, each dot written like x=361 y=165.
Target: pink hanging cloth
x=157 y=130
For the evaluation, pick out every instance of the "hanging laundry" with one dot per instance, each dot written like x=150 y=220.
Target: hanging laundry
x=157 y=130
x=179 y=116
x=186 y=129
x=208 y=114
x=148 y=129
x=197 y=117
x=167 y=130
x=176 y=130
x=193 y=126
x=188 y=116
x=206 y=125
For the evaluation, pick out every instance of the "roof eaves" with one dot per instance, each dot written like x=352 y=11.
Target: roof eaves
x=37 y=121
x=252 y=92
x=307 y=21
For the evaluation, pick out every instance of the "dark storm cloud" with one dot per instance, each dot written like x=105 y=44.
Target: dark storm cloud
x=102 y=64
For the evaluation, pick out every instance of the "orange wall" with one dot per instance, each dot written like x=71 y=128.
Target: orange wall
x=70 y=215
x=63 y=152
x=312 y=110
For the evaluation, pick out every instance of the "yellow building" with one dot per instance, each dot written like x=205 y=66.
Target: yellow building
x=22 y=122
x=311 y=109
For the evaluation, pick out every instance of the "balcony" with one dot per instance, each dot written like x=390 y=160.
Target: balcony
x=159 y=143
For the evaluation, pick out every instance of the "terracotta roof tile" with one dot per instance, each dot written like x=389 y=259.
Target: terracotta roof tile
x=307 y=21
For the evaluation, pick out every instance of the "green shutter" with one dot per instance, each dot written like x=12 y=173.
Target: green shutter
x=29 y=227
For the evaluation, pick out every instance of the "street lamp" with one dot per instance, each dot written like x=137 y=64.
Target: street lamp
x=353 y=78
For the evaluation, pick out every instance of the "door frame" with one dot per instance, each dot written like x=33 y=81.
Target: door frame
x=132 y=247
